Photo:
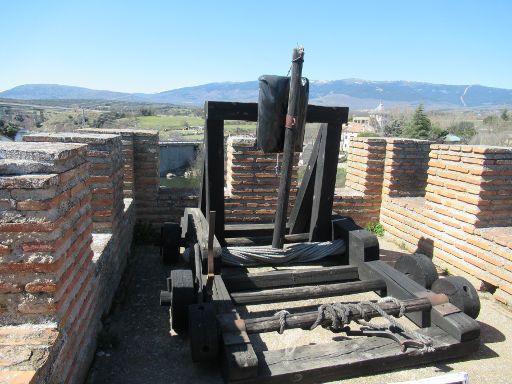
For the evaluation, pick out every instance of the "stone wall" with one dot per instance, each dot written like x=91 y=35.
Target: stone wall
x=105 y=170
x=252 y=181
x=57 y=276
x=144 y=171
x=463 y=221
x=361 y=197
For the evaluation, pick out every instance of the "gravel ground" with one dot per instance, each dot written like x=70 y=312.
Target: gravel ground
x=136 y=347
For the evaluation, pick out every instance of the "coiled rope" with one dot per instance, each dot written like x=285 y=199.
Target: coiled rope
x=336 y=316
x=298 y=252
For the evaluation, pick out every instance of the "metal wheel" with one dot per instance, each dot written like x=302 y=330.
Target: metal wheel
x=419 y=268
x=460 y=292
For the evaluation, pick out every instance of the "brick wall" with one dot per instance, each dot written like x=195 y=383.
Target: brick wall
x=56 y=277
x=463 y=221
x=362 y=194
x=405 y=167
x=252 y=181
x=105 y=170
x=144 y=169
x=127 y=154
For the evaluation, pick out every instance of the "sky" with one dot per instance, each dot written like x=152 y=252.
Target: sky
x=152 y=46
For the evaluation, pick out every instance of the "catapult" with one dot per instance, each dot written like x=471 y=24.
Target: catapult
x=204 y=296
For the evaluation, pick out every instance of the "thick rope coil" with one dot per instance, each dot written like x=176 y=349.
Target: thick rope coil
x=298 y=252
x=282 y=319
x=337 y=316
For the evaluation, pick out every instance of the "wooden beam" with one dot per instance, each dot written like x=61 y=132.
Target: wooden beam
x=307 y=292
x=290 y=137
x=325 y=182
x=300 y=215
x=354 y=357
x=197 y=231
x=264 y=240
x=293 y=277
x=221 y=110
x=305 y=320
x=248 y=229
x=240 y=360
x=214 y=173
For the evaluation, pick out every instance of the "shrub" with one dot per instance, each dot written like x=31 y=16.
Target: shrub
x=376 y=228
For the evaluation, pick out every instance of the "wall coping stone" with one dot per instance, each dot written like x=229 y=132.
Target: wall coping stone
x=49 y=152
x=72 y=137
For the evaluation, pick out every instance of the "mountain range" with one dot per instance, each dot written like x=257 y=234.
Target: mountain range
x=354 y=93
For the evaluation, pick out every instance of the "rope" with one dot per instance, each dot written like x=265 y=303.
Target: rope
x=282 y=319
x=337 y=316
x=298 y=253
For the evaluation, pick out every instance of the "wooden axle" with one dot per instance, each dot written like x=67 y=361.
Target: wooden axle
x=306 y=319
x=264 y=240
x=307 y=292
x=294 y=277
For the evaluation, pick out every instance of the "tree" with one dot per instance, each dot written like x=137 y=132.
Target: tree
x=504 y=115
x=463 y=129
x=394 y=128
x=420 y=126
x=9 y=129
x=437 y=133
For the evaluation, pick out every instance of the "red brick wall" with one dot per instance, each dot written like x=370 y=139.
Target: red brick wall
x=252 y=181
x=464 y=219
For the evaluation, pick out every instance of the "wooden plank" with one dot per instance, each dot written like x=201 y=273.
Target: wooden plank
x=202 y=189
x=306 y=292
x=300 y=216
x=305 y=320
x=249 y=229
x=197 y=231
x=264 y=240
x=240 y=360
x=293 y=277
x=458 y=325
x=214 y=171
x=325 y=182
x=221 y=110
x=354 y=357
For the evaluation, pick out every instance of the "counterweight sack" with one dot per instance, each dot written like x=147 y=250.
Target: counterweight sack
x=272 y=107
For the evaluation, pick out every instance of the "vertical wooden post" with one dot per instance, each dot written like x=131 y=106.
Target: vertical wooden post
x=213 y=178
x=325 y=183
x=289 y=147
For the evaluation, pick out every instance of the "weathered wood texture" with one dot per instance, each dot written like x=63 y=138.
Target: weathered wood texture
x=325 y=182
x=355 y=357
x=213 y=179
x=300 y=216
x=307 y=292
x=239 y=358
x=292 y=277
x=222 y=110
x=264 y=240
x=306 y=319
x=291 y=134
x=249 y=229
x=197 y=232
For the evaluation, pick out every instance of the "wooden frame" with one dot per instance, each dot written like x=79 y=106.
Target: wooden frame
x=454 y=333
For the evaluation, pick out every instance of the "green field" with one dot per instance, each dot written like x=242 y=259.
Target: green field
x=178 y=127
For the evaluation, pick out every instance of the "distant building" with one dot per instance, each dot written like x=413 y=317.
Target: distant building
x=364 y=120
x=350 y=130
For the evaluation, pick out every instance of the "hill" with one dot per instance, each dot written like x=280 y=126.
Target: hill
x=355 y=93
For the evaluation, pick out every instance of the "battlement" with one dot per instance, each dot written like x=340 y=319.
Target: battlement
x=69 y=203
